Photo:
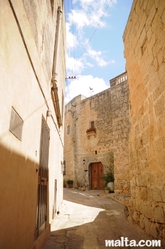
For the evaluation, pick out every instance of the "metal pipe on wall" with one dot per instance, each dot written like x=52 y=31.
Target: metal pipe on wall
x=54 y=88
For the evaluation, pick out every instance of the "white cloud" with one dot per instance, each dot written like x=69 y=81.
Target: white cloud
x=85 y=14
x=79 y=18
x=73 y=65
x=82 y=85
x=96 y=55
x=97 y=4
x=77 y=65
x=82 y=19
x=71 y=39
x=90 y=13
x=88 y=64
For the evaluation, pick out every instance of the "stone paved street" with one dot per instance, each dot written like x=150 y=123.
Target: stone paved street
x=89 y=218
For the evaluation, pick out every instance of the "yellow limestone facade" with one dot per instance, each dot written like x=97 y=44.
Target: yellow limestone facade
x=96 y=132
x=31 y=121
x=144 y=46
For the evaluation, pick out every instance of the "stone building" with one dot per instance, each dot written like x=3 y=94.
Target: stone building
x=32 y=38
x=144 y=42
x=96 y=137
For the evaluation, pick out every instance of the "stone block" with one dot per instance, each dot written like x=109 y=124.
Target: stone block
x=145 y=120
x=154 y=79
x=153 y=229
x=141 y=181
x=158 y=146
x=148 y=210
x=145 y=137
x=143 y=154
x=163 y=17
x=152 y=12
x=161 y=71
x=143 y=37
x=158 y=215
x=161 y=163
x=156 y=194
x=155 y=63
x=149 y=195
x=160 y=58
x=147 y=225
x=153 y=165
x=136 y=216
x=150 y=43
x=163 y=194
x=142 y=223
x=143 y=193
x=149 y=34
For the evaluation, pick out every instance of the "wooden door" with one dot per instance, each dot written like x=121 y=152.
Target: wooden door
x=43 y=178
x=97 y=172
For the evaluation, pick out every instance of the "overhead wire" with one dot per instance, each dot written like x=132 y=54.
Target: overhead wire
x=73 y=32
x=98 y=25
x=70 y=50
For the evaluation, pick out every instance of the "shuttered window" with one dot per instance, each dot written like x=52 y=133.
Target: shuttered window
x=16 y=124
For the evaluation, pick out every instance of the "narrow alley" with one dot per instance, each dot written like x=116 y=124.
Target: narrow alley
x=82 y=110
x=89 y=218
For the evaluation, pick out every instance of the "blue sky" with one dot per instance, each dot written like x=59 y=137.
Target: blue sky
x=95 y=49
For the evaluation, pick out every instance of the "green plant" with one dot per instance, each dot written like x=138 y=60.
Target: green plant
x=107 y=188
x=107 y=177
x=69 y=182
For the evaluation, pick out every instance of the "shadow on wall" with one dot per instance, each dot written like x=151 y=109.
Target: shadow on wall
x=18 y=195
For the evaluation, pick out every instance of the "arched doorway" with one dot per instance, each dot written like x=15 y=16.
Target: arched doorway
x=96 y=172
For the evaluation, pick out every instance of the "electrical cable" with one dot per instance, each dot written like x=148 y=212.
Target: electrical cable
x=73 y=32
x=95 y=29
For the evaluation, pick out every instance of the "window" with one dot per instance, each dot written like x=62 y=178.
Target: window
x=68 y=129
x=92 y=129
x=63 y=167
x=92 y=125
x=16 y=124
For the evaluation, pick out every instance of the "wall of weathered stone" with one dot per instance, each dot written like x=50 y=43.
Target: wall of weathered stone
x=144 y=42
x=41 y=27
x=110 y=112
x=26 y=72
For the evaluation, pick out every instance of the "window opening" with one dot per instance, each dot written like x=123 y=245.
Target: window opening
x=16 y=124
x=68 y=129
x=92 y=124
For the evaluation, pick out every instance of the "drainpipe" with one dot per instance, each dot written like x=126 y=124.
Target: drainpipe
x=54 y=88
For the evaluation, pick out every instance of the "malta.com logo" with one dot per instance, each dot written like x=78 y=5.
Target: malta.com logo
x=125 y=242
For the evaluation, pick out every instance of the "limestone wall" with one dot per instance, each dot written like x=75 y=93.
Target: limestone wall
x=120 y=134
x=110 y=112
x=25 y=87
x=144 y=42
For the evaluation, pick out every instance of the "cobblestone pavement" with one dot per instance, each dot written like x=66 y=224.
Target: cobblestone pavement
x=89 y=218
